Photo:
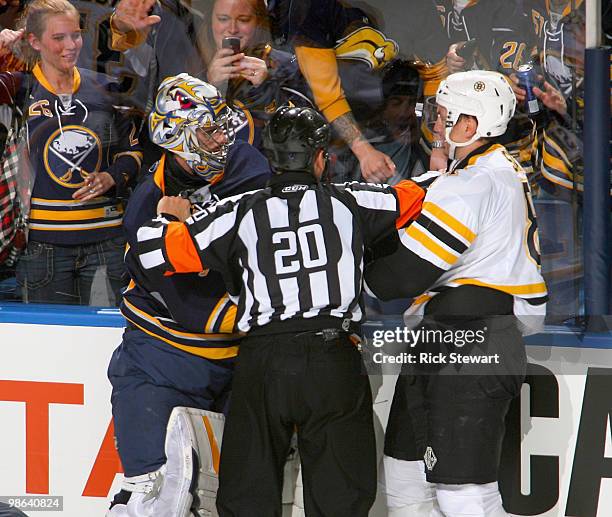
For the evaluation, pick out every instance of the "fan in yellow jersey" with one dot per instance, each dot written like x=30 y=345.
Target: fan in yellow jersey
x=342 y=49
x=472 y=256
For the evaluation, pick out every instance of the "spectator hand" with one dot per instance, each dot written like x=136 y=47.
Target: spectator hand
x=133 y=15
x=376 y=167
x=454 y=62
x=96 y=184
x=225 y=65
x=518 y=91
x=551 y=98
x=10 y=3
x=8 y=38
x=176 y=206
x=253 y=70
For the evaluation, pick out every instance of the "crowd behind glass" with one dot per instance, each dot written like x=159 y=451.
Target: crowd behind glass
x=372 y=68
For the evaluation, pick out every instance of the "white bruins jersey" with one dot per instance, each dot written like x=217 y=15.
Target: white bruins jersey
x=478 y=225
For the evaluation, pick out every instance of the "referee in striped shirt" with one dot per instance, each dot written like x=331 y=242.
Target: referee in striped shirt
x=292 y=256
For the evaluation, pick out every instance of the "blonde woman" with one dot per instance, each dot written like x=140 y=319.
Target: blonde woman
x=83 y=154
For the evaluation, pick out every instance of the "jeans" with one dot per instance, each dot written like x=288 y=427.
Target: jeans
x=50 y=273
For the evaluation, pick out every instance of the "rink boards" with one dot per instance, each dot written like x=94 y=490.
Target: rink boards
x=56 y=437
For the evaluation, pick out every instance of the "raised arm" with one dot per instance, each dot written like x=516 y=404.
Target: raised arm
x=131 y=23
x=319 y=67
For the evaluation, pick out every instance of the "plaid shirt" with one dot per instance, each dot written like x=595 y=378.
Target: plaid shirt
x=12 y=230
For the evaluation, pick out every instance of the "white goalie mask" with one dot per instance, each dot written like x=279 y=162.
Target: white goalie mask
x=183 y=107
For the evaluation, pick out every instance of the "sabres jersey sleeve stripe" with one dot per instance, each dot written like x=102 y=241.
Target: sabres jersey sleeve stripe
x=429 y=249
x=216 y=312
x=441 y=234
x=553 y=157
x=217 y=340
x=225 y=352
x=228 y=323
x=554 y=147
x=555 y=163
x=444 y=217
x=554 y=177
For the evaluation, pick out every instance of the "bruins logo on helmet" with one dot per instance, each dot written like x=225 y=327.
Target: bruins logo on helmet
x=369 y=46
x=70 y=154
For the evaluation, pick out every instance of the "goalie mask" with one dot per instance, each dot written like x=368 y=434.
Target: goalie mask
x=485 y=95
x=191 y=119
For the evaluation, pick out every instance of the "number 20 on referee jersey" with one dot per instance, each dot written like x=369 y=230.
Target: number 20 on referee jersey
x=312 y=244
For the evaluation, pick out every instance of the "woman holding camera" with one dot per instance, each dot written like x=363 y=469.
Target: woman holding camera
x=232 y=40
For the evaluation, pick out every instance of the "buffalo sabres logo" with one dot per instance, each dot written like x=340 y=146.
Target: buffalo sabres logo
x=479 y=86
x=70 y=154
x=369 y=46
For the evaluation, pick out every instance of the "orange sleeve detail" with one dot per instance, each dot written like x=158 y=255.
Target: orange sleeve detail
x=181 y=250
x=121 y=41
x=319 y=67
x=410 y=198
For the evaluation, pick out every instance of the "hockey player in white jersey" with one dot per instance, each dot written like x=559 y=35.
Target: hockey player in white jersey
x=472 y=261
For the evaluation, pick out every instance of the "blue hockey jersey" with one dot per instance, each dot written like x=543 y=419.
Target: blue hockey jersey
x=191 y=312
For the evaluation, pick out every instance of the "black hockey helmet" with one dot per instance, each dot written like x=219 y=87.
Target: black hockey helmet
x=292 y=138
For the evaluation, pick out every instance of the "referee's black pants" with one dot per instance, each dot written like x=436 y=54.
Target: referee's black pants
x=284 y=382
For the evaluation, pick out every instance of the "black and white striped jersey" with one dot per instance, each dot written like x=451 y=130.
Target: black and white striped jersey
x=294 y=250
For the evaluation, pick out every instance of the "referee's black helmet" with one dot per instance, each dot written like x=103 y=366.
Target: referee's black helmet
x=292 y=138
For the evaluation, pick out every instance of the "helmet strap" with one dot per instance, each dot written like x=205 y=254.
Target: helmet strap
x=325 y=173
x=454 y=145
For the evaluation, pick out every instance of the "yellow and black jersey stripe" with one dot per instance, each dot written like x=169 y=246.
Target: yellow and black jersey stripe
x=437 y=236
x=211 y=345
x=62 y=215
x=536 y=292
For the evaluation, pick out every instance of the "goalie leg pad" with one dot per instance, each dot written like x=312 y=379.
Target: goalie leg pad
x=188 y=481
x=193 y=448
